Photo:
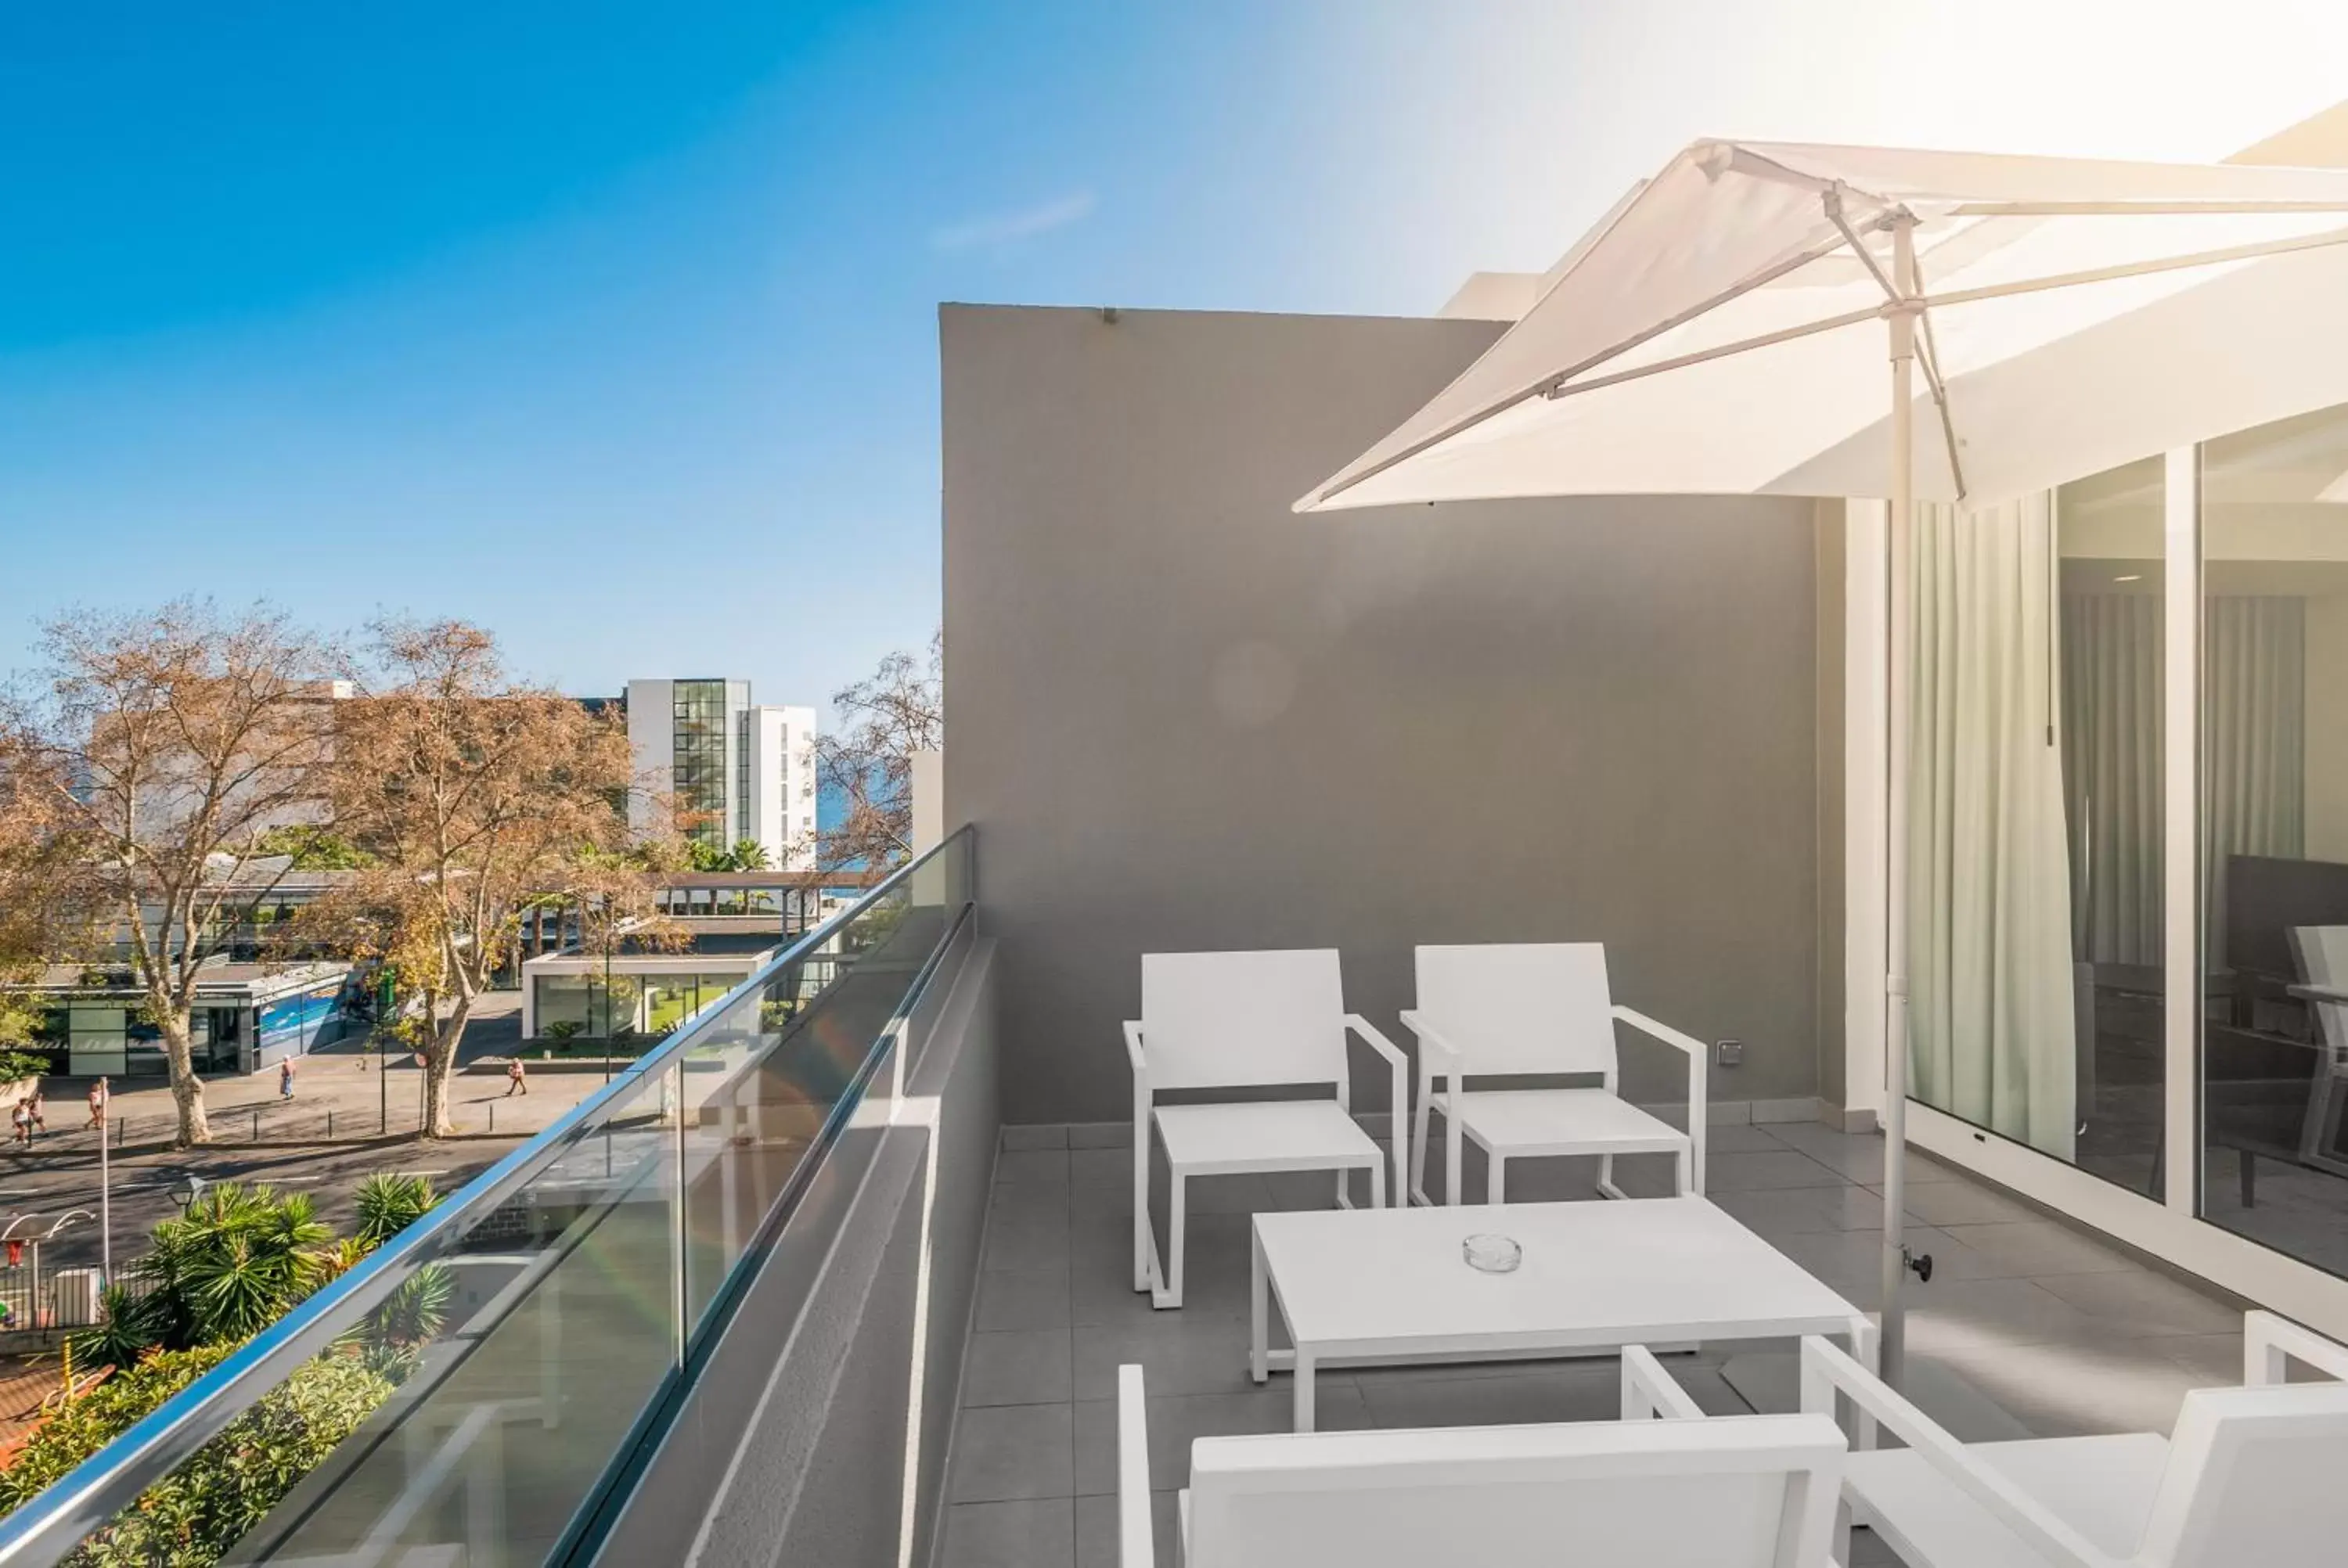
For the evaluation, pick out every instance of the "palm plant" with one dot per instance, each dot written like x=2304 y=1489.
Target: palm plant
x=233 y=1262
x=389 y=1203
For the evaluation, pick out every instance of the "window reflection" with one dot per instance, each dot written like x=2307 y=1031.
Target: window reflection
x=2109 y=729
x=2274 y=835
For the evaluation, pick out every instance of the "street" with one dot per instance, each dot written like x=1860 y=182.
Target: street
x=142 y=1185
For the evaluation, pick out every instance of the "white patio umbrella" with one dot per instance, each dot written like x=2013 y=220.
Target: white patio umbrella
x=1726 y=331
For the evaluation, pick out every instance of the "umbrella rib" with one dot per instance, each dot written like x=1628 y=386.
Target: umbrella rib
x=2138 y=208
x=1553 y=385
x=2140 y=268
x=1678 y=361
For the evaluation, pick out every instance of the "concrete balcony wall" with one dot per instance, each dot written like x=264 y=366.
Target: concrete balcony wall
x=1186 y=718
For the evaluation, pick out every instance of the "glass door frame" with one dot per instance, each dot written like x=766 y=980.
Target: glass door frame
x=2168 y=1229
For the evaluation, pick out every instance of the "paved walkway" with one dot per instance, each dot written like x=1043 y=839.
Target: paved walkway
x=339 y=1095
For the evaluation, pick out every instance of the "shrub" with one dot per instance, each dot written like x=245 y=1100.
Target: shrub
x=17 y=1065
x=195 y=1516
x=389 y=1204
x=230 y=1266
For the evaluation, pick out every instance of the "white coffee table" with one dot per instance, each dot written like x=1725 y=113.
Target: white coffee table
x=1362 y=1285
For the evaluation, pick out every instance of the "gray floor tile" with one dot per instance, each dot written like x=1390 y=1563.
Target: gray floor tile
x=1177 y=1420
x=1187 y=1356
x=2138 y=1301
x=2211 y=1360
x=1539 y=1392
x=1100 y=1135
x=2042 y=1247
x=2073 y=1387
x=1046 y=1135
x=1003 y=1452
x=1738 y=1138
x=1024 y=1237
x=1850 y=1257
x=1039 y=1532
x=1858 y=1156
x=1105 y=1174
x=1096 y=1531
x=1758 y=1172
x=1015 y=1167
x=1012 y=1299
x=1801 y=1211
x=1962 y=1203
x=1956 y=1317
x=1027 y=1367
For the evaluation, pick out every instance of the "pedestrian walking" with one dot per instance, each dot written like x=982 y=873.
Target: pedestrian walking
x=20 y=1121
x=35 y=1106
x=98 y=1097
x=515 y=1082
x=285 y=1078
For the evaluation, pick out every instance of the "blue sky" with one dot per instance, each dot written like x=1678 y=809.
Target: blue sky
x=613 y=325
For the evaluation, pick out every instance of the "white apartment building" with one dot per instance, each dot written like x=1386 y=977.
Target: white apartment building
x=749 y=771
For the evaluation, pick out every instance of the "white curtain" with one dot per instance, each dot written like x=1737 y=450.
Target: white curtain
x=2253 y=765
x=1990 y=979
x=2112 y=774
x=2254 y=739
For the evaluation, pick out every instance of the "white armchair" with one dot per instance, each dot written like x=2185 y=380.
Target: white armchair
x=1529 y=1009
x=1246 y=1020
x=1738 y=1491
x=2250 y=1475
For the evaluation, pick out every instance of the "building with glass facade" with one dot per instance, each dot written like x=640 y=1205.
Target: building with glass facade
x=247 y=1017
x=742 y=771
x=630 y=992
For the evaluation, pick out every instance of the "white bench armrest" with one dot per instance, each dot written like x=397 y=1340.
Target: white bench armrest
x=1446 y=1056
x=1650 y=1392
x=1826 y=1372
x=1400 y=1125
x=1133 y=1048
x=1699 y=1060
x=1135 y=1542
x=1662 y=1031
x=2269 y=1344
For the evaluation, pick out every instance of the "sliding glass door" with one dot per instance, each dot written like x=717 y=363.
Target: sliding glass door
x=2128 y=837
x=2274 y=836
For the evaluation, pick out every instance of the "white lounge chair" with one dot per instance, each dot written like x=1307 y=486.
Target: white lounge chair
x=1740 y=1491
x=2251 y=1477
x=1533 y=1009
x=1246 y=1020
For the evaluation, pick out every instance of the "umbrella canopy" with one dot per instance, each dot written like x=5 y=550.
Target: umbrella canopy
x=2064 y=333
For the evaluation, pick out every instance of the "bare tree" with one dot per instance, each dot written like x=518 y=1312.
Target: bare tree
x=479 y=799
x=164 y=746
x=41 y=915
x=868 y=764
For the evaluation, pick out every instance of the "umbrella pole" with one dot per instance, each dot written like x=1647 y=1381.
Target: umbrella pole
x=1892 y=1350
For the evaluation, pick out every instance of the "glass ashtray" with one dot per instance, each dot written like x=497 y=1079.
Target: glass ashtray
x=1492 y=1253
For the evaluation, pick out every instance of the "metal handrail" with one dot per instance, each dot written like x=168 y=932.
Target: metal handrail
x=48 y=1527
